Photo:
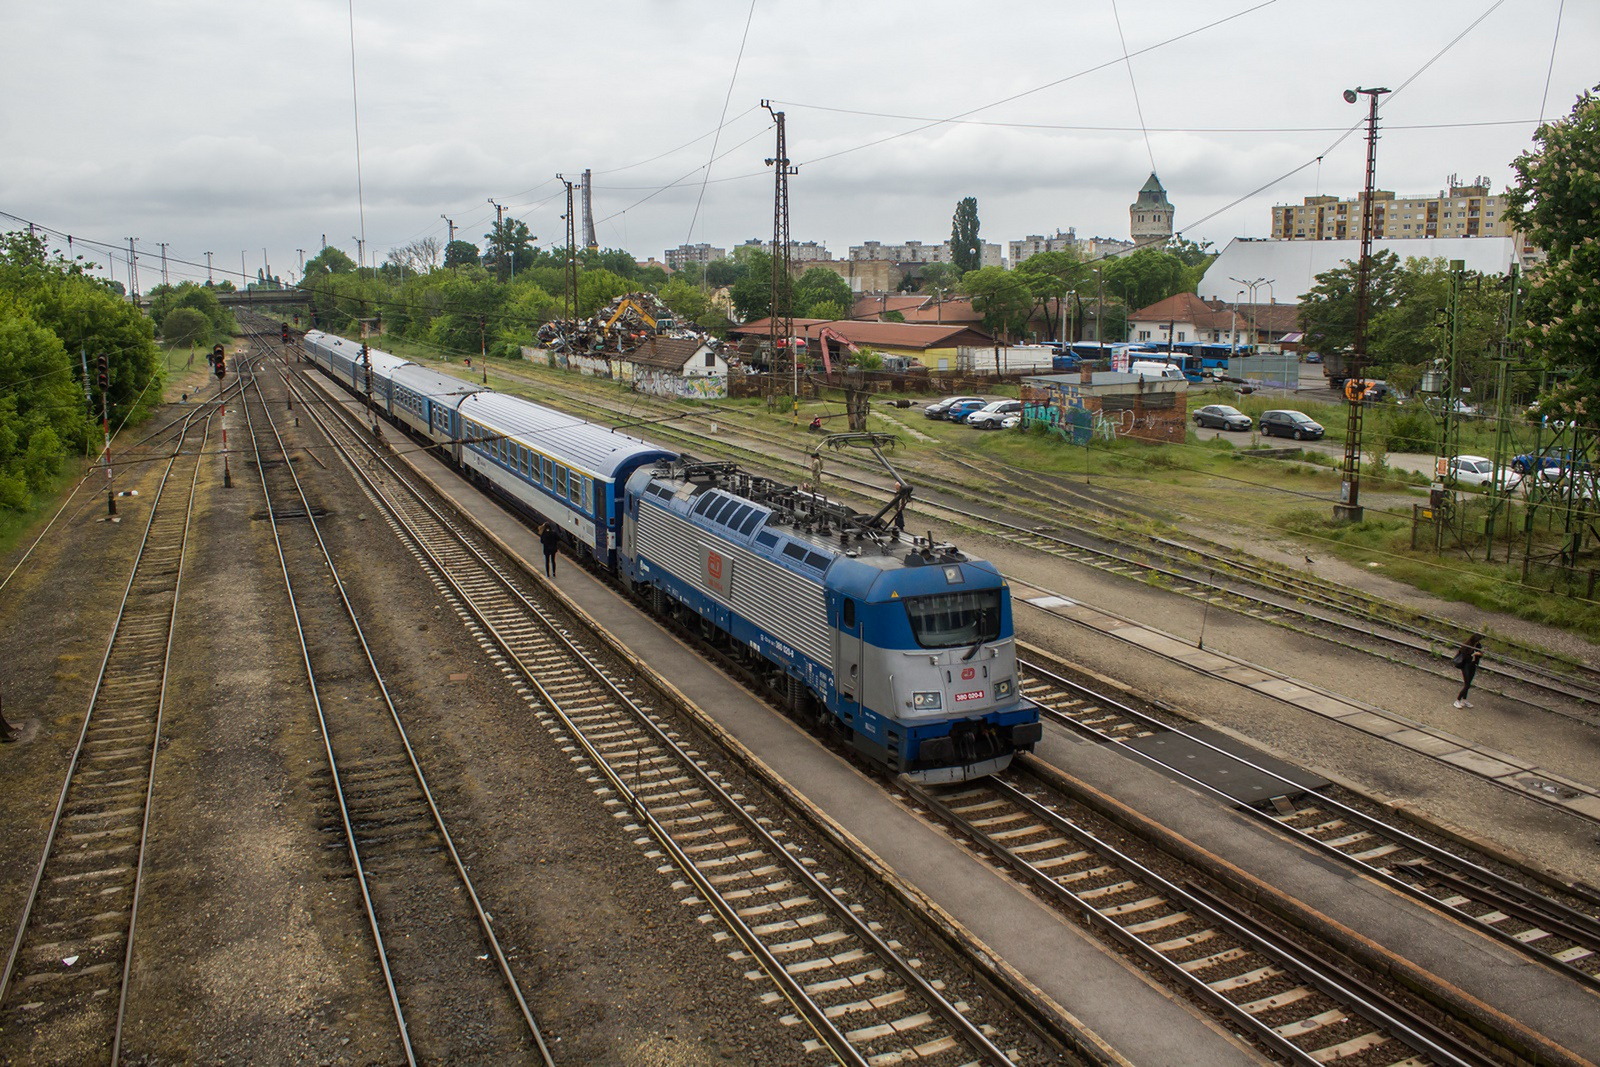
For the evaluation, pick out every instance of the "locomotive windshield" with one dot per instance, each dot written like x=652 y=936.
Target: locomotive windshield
x=955 y=620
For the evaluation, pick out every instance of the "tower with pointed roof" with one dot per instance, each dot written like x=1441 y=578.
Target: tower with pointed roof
x=1150 y=216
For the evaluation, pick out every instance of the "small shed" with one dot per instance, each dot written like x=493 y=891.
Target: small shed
x=670 y=366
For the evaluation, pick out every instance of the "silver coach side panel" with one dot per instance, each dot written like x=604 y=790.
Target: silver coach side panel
x=775 y=599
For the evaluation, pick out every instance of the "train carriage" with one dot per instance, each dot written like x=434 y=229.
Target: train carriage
x=341 y=358
x=905 y=651
x=429 y=401
x=556 y=467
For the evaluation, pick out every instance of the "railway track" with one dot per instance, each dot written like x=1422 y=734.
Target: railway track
x=1302 y=1009
x=64 y=990
x=1535 y=920
x=451 y=987
x=817 y=954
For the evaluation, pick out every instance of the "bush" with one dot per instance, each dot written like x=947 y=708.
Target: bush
x=184 y=326
x=1411 y=431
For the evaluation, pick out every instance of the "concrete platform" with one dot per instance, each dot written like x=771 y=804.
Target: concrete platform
x=1118 y=1006
x=1502 y=768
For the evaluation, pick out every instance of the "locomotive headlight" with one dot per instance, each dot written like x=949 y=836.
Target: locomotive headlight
x=1002 y=688
x=926 y=701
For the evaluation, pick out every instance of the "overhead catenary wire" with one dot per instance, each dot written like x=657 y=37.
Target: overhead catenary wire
x=721 y=119
x=1138 y=107
x=1551 y=69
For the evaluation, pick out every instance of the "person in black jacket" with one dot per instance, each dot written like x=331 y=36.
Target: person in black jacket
x=1466 y=659
x=548 y=541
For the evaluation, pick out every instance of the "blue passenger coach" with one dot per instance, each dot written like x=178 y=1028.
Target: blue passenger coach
x=429 y=402
x=558 y=468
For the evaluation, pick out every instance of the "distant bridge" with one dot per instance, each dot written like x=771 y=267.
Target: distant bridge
x=262 y=297
x=244 y=298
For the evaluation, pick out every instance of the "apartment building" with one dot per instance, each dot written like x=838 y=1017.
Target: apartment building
x=1461 y=210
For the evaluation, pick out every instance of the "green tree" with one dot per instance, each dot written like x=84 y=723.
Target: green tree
x=184 y=326
x=1556 y=202
x=1146 y=276
x=330 y=260
x=1328 y=310
x=686 y=301
x=724 y=272
x=966 y=249
x=508 y=248
x=1055 y=276
x=997 y=295
x=752 y=294
x=818 y=287
x=41 y=408
x=460 y=253
x=597 y=288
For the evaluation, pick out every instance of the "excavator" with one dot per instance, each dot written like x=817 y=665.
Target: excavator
x=649 y=320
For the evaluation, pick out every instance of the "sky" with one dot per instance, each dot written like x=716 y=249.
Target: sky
x=232 y=128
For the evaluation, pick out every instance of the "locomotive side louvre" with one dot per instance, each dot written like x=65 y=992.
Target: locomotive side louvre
x=715 y=576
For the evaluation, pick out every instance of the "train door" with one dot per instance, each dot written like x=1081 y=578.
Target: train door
x=848 y=668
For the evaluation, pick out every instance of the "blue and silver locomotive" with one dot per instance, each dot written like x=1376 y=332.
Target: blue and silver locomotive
x=900 y=647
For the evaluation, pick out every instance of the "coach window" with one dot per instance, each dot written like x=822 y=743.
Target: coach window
x=549 y=473
x=561 y=481
x=574 y=488
x=588 y=495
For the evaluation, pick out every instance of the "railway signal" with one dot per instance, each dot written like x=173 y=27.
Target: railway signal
x=217 y=352
x=221 y=365
x=284 y=327
x=103 y=370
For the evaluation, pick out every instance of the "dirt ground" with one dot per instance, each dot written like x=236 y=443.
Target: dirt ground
x=252 y=947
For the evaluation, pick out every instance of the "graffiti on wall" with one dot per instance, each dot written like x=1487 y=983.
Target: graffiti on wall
x=661 y=383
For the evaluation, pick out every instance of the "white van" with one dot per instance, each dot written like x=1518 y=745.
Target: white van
x=1151 y=369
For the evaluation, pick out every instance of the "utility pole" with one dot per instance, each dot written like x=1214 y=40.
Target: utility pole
x=302 y=254
x=500 y=233
x=781 y=329
x=163 y=262
x=208 y=270
x=451 y=224
x=266 y=267
x=133 y=271
x=1349 y=506
x=572 y=255
x=244 y=272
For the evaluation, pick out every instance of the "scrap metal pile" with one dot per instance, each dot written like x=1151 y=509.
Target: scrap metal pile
x=619 y=327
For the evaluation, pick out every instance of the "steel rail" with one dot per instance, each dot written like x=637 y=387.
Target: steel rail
x=1501 y=891
x=1396 y=1022
x=145 y=546
x=815 y=1015
x=479 y=911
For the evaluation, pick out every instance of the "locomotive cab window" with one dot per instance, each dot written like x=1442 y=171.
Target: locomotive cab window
x=955 y=620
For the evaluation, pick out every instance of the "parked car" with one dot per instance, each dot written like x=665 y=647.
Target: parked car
x=1295 y=424
x=1222 y=417
x=1471 y=470
x=1011 y=422
x=937 y=409
x=993 y=413
x=959 y=411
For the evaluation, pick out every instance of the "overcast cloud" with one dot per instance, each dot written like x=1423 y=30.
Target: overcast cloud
x=228 y=127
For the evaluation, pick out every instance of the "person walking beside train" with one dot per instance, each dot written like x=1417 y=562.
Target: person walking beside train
x=548 y=541
x=1466 y=660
